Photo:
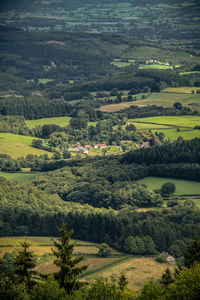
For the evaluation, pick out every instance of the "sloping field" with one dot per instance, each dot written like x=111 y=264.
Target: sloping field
x=61 y=121
x=176 y=121
x=19 y=177
x=137 y=269
x=17 y=146
x=182 y=90
x=167 y=99
x=183 y=187
x=173 y=134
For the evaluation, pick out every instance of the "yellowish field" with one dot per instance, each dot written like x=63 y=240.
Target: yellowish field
x=138 y=270
x=182 y=90
x=116 y=107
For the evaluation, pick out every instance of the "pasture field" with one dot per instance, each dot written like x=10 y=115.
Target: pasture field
x=183 y=187
x=173 y=134
x=19 y=177
x=167 y=99
x=156 y=66
x=61 y=121
x=182 y=90
x=27 y=140
x=17 y=149
x=138 y=269
x=176 y=121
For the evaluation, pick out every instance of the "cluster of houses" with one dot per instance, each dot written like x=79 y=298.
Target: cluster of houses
x=77 y=148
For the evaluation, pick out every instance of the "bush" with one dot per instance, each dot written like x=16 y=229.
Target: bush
x=161 y=259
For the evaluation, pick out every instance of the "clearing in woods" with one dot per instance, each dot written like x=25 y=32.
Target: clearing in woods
x=138 y=269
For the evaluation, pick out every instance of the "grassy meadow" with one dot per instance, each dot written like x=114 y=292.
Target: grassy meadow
x=181 y=90
x=173 y=134
x=166 y=98
x=176 y=121
x=17 y=145
x=19 y=177
x=138 y=269
x=61 y=121
x=183 y=187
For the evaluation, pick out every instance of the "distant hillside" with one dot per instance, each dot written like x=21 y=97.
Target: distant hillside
x=173 y=21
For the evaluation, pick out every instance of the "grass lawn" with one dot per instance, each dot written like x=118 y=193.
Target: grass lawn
x=61 y=121
x=183 y=187
x=20 y=177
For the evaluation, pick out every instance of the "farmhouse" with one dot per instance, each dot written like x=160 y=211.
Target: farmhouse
x=100 y=146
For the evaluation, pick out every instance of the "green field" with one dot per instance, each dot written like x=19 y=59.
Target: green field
x=61 y=121
x=27 y=140
x=155 y=66
x=176 y=121
x=20 y=177
x=183 y=187
x=17 y=145
x=167 y=99
x=173 y=134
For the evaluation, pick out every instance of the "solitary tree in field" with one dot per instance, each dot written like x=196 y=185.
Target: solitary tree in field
x=168 y=188
x=68 y=265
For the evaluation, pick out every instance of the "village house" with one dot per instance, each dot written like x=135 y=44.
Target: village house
x=100 y=146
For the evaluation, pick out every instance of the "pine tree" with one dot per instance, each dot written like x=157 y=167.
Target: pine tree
x=25 y=262
x=67 y=264
x=192 y=254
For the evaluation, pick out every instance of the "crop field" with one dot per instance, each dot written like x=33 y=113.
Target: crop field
x=17 y=149
x=183 y=187
x=61 y=121
x=137 y=269
x=19 y=177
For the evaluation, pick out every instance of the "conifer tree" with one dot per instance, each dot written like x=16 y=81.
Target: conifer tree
x=25 y=262
x=192 y=254
x=68 y=265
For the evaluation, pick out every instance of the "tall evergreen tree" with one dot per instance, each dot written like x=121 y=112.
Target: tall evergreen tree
x=192 y=254
x=25 y=262
x=68 y=265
